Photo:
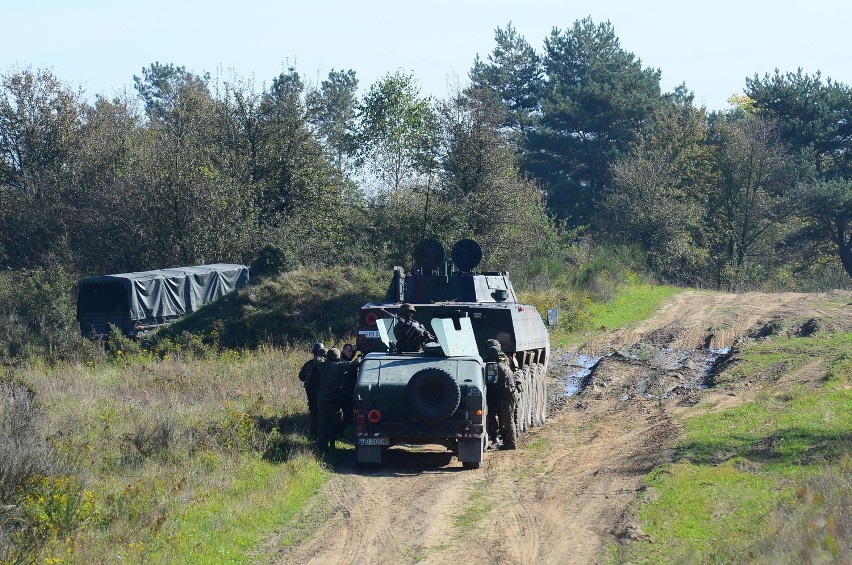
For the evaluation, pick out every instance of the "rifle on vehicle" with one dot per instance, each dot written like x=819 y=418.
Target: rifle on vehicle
x=396 y=318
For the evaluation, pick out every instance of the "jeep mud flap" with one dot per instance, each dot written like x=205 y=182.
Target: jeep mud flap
x=471 y=450
x=368 y=455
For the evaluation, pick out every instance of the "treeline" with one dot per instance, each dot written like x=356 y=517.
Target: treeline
x=194 y=171
x=758 y=195
x=541 y=150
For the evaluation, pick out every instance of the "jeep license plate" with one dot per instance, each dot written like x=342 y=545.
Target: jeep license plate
x=373 y=441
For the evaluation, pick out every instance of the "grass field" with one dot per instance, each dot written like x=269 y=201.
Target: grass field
x=176 y=460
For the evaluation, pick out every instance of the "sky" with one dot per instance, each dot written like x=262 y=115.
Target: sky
x=710 y=46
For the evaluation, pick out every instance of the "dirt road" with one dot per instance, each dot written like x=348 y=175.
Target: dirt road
x=563 y=496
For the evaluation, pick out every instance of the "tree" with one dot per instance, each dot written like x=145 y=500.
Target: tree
x=813 y=117
x=302 y=193
x=595 y=99
x=108 y=193
x=748 y=203
x=333 y=110
x=658 y=199
x=39 y=132
x=514 y=73
x=482 y=193
x=398 y=131
x=814 y=122
x=828 y=207
x=160 y=87
x=194 y=213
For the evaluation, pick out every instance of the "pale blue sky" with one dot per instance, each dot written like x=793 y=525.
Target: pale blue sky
x=711 y=46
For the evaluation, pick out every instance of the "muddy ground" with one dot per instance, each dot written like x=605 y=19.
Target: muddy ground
x=562 y=497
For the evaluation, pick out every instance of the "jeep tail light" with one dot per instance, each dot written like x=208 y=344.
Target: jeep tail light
x=374 y=416
x=360 y=419
x=371 y=318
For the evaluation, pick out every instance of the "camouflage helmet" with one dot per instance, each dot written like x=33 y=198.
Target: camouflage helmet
x=333 y=355
x=315 y=348
x=493 y=343
x=492 y=353
x=406 y=308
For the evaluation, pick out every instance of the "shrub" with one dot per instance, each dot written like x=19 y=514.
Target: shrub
x=39 y=501
x=272 y=261
x=38 y=315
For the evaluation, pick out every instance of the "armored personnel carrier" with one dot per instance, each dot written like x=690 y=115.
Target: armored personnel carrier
x=395 y=403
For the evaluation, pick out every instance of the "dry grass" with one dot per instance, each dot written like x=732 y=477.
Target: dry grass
x=149 y=438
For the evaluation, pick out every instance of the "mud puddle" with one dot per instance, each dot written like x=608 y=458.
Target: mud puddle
x=639 y=370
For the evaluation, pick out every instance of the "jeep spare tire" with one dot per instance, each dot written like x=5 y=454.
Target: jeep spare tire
x=433 y=395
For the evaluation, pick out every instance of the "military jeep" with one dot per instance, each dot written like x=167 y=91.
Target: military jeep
x=433 y=397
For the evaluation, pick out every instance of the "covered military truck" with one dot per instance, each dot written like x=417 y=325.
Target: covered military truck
x=142 y=301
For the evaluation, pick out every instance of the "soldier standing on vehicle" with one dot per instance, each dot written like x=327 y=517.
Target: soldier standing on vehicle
x=502 y=397
x=309 y=375
x=410 y=335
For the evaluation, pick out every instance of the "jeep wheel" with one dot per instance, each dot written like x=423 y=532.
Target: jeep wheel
x=433 y=395
x=471 y=464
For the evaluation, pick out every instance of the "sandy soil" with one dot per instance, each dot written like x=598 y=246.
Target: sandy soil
x=563 y=496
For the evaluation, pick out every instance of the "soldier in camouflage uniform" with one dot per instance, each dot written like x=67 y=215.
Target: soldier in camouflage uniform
x=410 y=334
x=502 y=397
x=309 y=375
x=328 y=398
x=347 y=384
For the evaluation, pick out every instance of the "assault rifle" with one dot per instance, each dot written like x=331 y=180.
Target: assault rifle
x=396 y=318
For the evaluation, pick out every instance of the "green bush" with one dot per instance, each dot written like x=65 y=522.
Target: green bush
x=302 y=305
x=272 y=261
x=38 y=315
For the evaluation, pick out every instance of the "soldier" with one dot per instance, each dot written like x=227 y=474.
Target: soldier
x=347 y=352
x=328 y=398
x=347 y=384
x=309 y=375
x=410 y=335
x=502 y=397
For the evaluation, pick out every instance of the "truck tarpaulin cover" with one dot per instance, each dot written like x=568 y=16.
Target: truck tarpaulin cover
x=160 y=294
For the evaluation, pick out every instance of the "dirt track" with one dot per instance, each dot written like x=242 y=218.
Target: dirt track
x=564 y=494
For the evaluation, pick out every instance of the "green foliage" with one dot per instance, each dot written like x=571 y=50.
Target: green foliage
x=811 y=114
x=595 y=98
x=272 y=260
x=302 y=305
x=39 y=134
x=333 y=111
x=658 y=199
x=398 y=130
x=37 y=316
x=514 y=74
x=828 y=207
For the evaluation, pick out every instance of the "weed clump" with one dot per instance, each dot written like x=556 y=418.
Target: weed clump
x=39 y=499
x=817 y=526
